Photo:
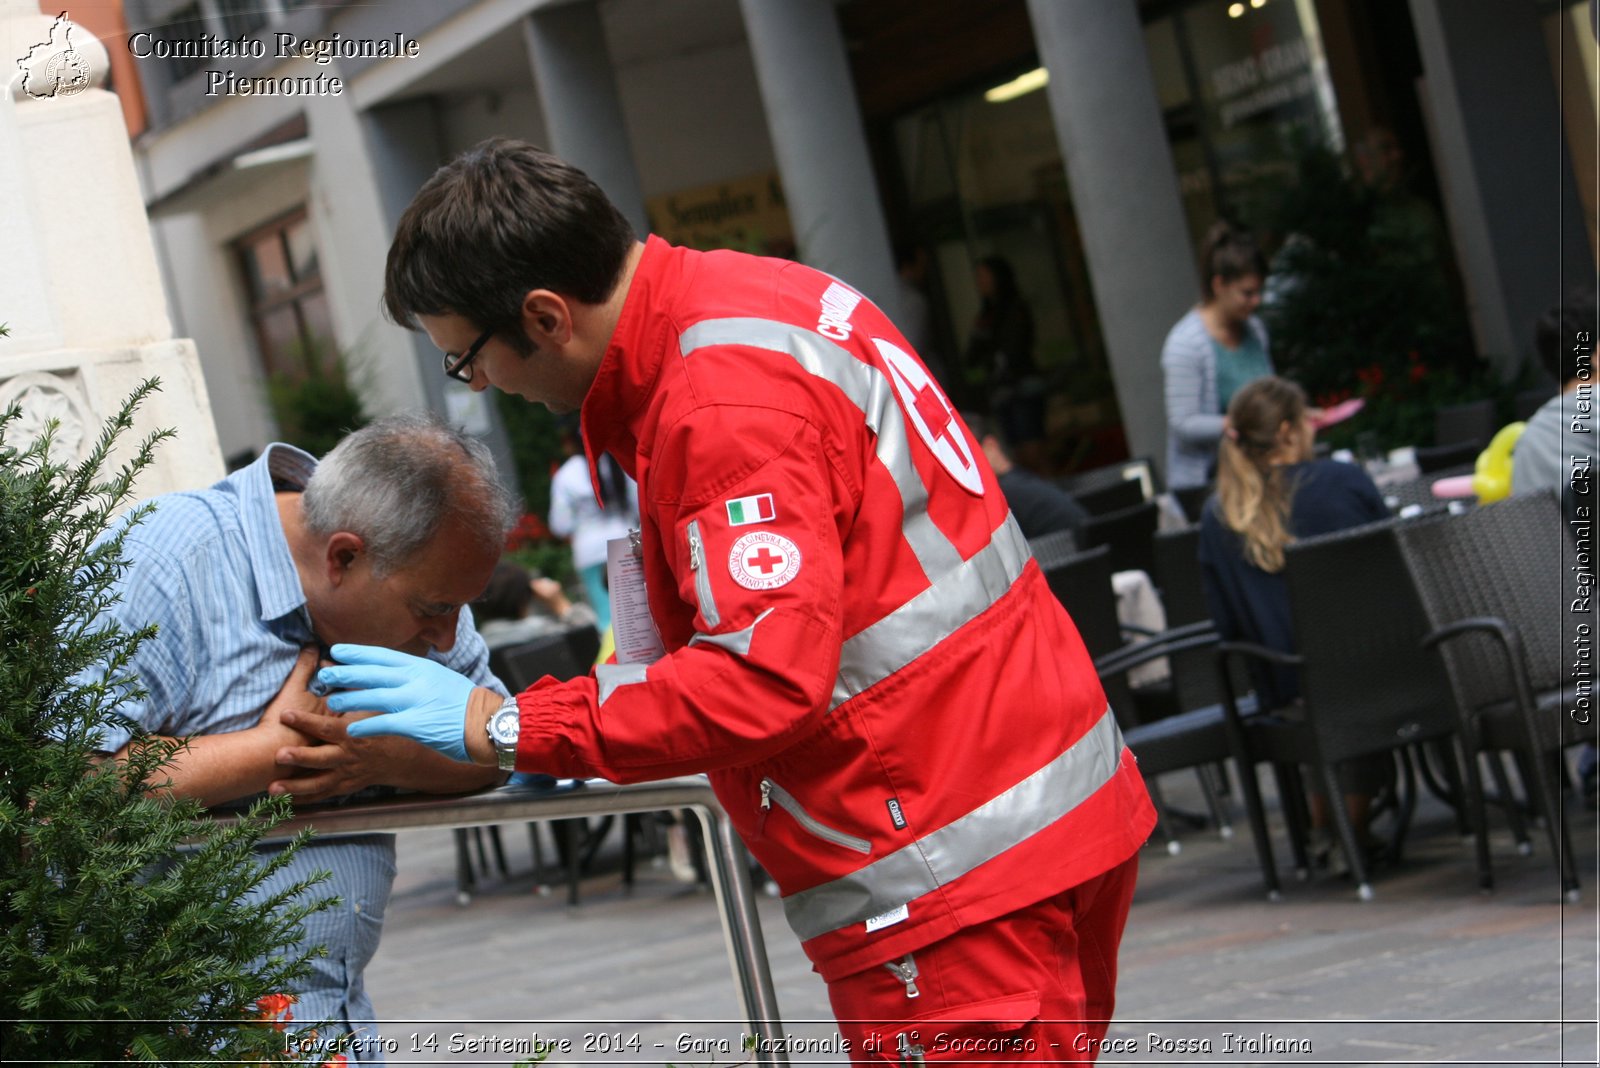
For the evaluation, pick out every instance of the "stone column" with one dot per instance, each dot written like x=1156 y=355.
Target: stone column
x=81 y=290
x=399 y=149
x=1503 y=166
x=577 y=87
x=1125 y=190
x=821 y=144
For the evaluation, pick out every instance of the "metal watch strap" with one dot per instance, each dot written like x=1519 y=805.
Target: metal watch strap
x=505 y=757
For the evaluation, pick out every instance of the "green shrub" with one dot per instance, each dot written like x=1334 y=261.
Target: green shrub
x=125 y=929
x=1367 y=301
x=316 y=405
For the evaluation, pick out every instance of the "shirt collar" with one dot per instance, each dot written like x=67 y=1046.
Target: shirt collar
x=280 y=467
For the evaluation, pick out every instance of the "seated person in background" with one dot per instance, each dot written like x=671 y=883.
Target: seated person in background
x=516 y=607
x=1041 y=507
x=1270 y=492
x=1558 y=445
x=385 y=540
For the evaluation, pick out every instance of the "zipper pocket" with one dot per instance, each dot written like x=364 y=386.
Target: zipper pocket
x=771 y=791
x=702 y=576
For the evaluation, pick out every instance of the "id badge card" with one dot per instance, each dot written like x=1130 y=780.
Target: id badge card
x=635 y=634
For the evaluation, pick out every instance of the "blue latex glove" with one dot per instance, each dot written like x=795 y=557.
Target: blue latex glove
x=425 y=701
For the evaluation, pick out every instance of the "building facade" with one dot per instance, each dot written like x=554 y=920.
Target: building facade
x=1089 y=142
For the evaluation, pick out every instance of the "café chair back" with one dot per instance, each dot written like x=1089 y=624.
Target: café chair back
x=1498 y=591
x=1110 y=497
x=1367 y=688
x=1082 y=583
x=1054 y=548
x=566 y=654
x=1130 y=534
x=1192 y=500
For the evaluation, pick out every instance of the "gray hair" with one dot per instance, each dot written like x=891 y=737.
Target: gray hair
x=398 y=479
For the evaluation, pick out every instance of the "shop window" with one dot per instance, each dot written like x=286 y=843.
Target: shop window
x=1239 y=85
x=288 y=308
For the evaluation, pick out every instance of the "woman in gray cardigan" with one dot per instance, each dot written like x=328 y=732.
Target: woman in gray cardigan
x=1211 y=352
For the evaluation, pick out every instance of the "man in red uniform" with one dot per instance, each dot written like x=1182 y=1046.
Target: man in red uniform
x=856 y=646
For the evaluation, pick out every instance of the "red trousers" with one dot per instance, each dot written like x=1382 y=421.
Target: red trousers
x=1038 y=984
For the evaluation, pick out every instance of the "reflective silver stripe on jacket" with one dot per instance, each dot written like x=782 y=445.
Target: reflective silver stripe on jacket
x=959 y=591
x=953 y=601
x=736 y=642
x=612 y=676
x=953 y=850
x=868 y=389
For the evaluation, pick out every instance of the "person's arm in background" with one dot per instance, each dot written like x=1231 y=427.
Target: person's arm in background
x=1189 y=371
x=563 y=515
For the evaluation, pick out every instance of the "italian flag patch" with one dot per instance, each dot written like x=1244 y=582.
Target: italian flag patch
x=747 y=510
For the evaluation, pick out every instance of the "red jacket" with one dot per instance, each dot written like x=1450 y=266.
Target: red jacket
x=900 y=719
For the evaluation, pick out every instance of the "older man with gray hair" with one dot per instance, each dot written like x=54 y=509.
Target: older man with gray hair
x=383 y=542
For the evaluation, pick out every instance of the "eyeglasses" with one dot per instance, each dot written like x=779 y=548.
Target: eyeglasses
x=460 y=367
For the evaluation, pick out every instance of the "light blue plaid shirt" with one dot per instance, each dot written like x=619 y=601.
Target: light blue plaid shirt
x=212 y=570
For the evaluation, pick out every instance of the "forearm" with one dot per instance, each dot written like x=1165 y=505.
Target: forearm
x=218 y=768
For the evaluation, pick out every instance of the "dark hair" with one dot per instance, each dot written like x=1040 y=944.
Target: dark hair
x=1565 y=332
x=613 y=483
x=982 y=427
x=508 y=594
x=499 y=220
x=1005 y=279
x=1229 y=254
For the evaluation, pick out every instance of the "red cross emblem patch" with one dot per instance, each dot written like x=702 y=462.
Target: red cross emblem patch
x=763 y=560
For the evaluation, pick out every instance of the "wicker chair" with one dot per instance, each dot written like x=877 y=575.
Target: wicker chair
x=1366 y=687
x=1129 y=532
x=1082 y=584
x=1054 y=548
x=1494 y=583
x=1192 y=500
x=1109 y=497
x=1194 y=676
x=564 y=654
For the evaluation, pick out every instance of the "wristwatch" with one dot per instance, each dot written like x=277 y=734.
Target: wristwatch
x=504 y=727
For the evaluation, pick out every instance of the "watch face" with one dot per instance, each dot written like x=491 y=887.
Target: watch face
x=504 y=727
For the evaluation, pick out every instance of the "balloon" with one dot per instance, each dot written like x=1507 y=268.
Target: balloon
x=1491 y=479
x=1450 y=488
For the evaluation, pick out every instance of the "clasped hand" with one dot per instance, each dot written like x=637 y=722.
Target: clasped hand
x=420 y=699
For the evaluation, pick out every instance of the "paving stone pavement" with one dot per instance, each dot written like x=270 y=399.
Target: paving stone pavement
x=1430 y=972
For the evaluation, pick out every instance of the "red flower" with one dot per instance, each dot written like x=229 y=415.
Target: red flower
x=1371 y=377
x=339 y=1060
x=1418 y=372
x=273 y=1006
x=529 y=530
